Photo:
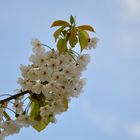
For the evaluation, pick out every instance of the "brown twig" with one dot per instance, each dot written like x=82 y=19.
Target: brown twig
x=15 y=96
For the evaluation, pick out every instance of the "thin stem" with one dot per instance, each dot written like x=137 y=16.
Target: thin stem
x=3 y=119
x=10 y=110
x=15 y=96
x=25 y=99
x=75 y=55
x=47 y=46
x=29 y=107
x=11 y=102
x=76 y=52
x=73 y=58
x=5 y=95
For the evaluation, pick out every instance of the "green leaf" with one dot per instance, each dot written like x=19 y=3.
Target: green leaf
x=62 y=45
x=35 y=116
x=71 y=19
x=83 y=39
x=58 y=32
x=86 y=27
x=35 y=111
x=60 y=23
x=40 y=125
x=72 y=37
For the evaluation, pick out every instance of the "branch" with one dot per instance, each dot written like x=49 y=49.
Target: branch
x=14 y=96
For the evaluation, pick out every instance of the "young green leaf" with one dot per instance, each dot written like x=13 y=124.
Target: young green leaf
x=41 y=125
x=83 y=39
x=35 y=116
x=71 y=19
x=62 y=45
x=60 y=23
x=58 y=32
x=35 y=111
x=86 y=27
x=72 y=37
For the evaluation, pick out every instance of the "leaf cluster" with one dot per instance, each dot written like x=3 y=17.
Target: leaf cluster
x=68 y=34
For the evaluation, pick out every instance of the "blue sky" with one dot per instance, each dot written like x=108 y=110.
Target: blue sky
x=109 y=107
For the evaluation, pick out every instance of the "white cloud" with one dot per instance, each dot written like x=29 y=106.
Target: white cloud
x=109 y=123
x=131 y=7
x=133 y=130
x=128 y=16
x=104 y=121
x=130 y=10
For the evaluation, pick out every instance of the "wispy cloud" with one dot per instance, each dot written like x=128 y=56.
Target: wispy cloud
x=109 y=123
x=130 y=9
x=106 y=122
x=133 y=129
x=128 y=17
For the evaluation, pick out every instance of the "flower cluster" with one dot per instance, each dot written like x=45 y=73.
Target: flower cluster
x=56 y=77
x=10 y=126
x=51 y=80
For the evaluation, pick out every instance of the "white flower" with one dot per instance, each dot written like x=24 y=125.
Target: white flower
x=58 y=76
x=36 y=43
x=53 y=63
x=69 y=71
x=82 y=61
x=52 y=118
x=25 y=84
x=63 y=60
x=48 y=96
x=18 y=106
x=22 y=83
x=37 y=49
x=78 y=88
x=51 y=90
x=58 y=106
x=32 y=74
x=3 y=135
x=50 y=54
x=70 y=59
x=11 y=127
x=44 y=112
x=93 y=43
x=37 y=88
x=24 y=120
x=53 y=86
x=24 y=70
x=44 y=74
x=39 y=59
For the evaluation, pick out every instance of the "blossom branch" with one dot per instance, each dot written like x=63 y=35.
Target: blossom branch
x=51 y=80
